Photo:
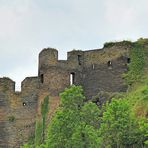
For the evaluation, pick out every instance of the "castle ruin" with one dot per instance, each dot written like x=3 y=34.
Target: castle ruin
x=95 y=70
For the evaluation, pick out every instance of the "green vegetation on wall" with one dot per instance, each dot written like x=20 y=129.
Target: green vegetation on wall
x=137 y=64
x=38 y=133
x=122 y=43
x=44 y=111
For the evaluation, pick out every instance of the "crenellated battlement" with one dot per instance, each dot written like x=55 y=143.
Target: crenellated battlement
x=95 y=70
x=6 y=84
x=30 y=84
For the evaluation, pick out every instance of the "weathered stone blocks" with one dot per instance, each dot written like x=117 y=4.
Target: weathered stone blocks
x=88 y=68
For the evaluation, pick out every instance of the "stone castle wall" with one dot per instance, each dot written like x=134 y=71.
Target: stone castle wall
x=17 y=111
x=95 y=70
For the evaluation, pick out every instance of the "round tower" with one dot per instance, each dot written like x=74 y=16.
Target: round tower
x=48 y=57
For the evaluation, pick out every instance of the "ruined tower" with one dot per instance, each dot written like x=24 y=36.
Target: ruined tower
x=95 y=70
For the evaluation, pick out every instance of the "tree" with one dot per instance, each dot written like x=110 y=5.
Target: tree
x=75 y=122
x=86 y=134
x=118 y=127
x=90 y=114
x=72 y=98
x=66 y=118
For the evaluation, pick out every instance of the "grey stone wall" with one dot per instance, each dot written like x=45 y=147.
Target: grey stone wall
x=96 y=70
x=3 y=113
x=17 y=112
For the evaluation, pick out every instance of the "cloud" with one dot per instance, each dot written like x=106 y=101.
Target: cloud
x=11 y=17
x=126 y=18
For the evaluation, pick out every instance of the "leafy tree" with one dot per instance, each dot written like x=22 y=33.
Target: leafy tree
x=118 y=128
x=86 y=134
x=90 y=114
x=75 y=123
x=66 y=118
x=72 y=98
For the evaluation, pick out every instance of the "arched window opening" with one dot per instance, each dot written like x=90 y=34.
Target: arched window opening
x=72 y=78
x=79 y=59
x=42 y=78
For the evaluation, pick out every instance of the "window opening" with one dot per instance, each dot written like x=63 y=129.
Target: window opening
x=128 y=60
x=93 y=66
x=109 y=63
x=24 y=104
x=72 y=78
x=79 y=59
x=42 y=78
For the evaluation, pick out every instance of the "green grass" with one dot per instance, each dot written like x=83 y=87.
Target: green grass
x=122 y=43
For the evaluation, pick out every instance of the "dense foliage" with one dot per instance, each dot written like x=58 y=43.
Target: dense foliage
x=75 y=124
x=81 y=125
x=137 y=64
x=119 y=128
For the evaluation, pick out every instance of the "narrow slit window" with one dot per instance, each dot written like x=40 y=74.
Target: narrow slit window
x=93 y=66
x=42 y=78
x=72 y=78
x=79 y=59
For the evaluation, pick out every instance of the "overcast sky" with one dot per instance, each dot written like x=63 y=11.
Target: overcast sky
x=28 y=26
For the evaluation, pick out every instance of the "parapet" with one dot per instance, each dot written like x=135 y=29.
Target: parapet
x=6 y=84
x=48 y=57
x=75 y=58
x=30 y=84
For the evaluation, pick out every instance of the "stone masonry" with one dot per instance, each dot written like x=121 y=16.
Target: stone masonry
x=96 y=70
